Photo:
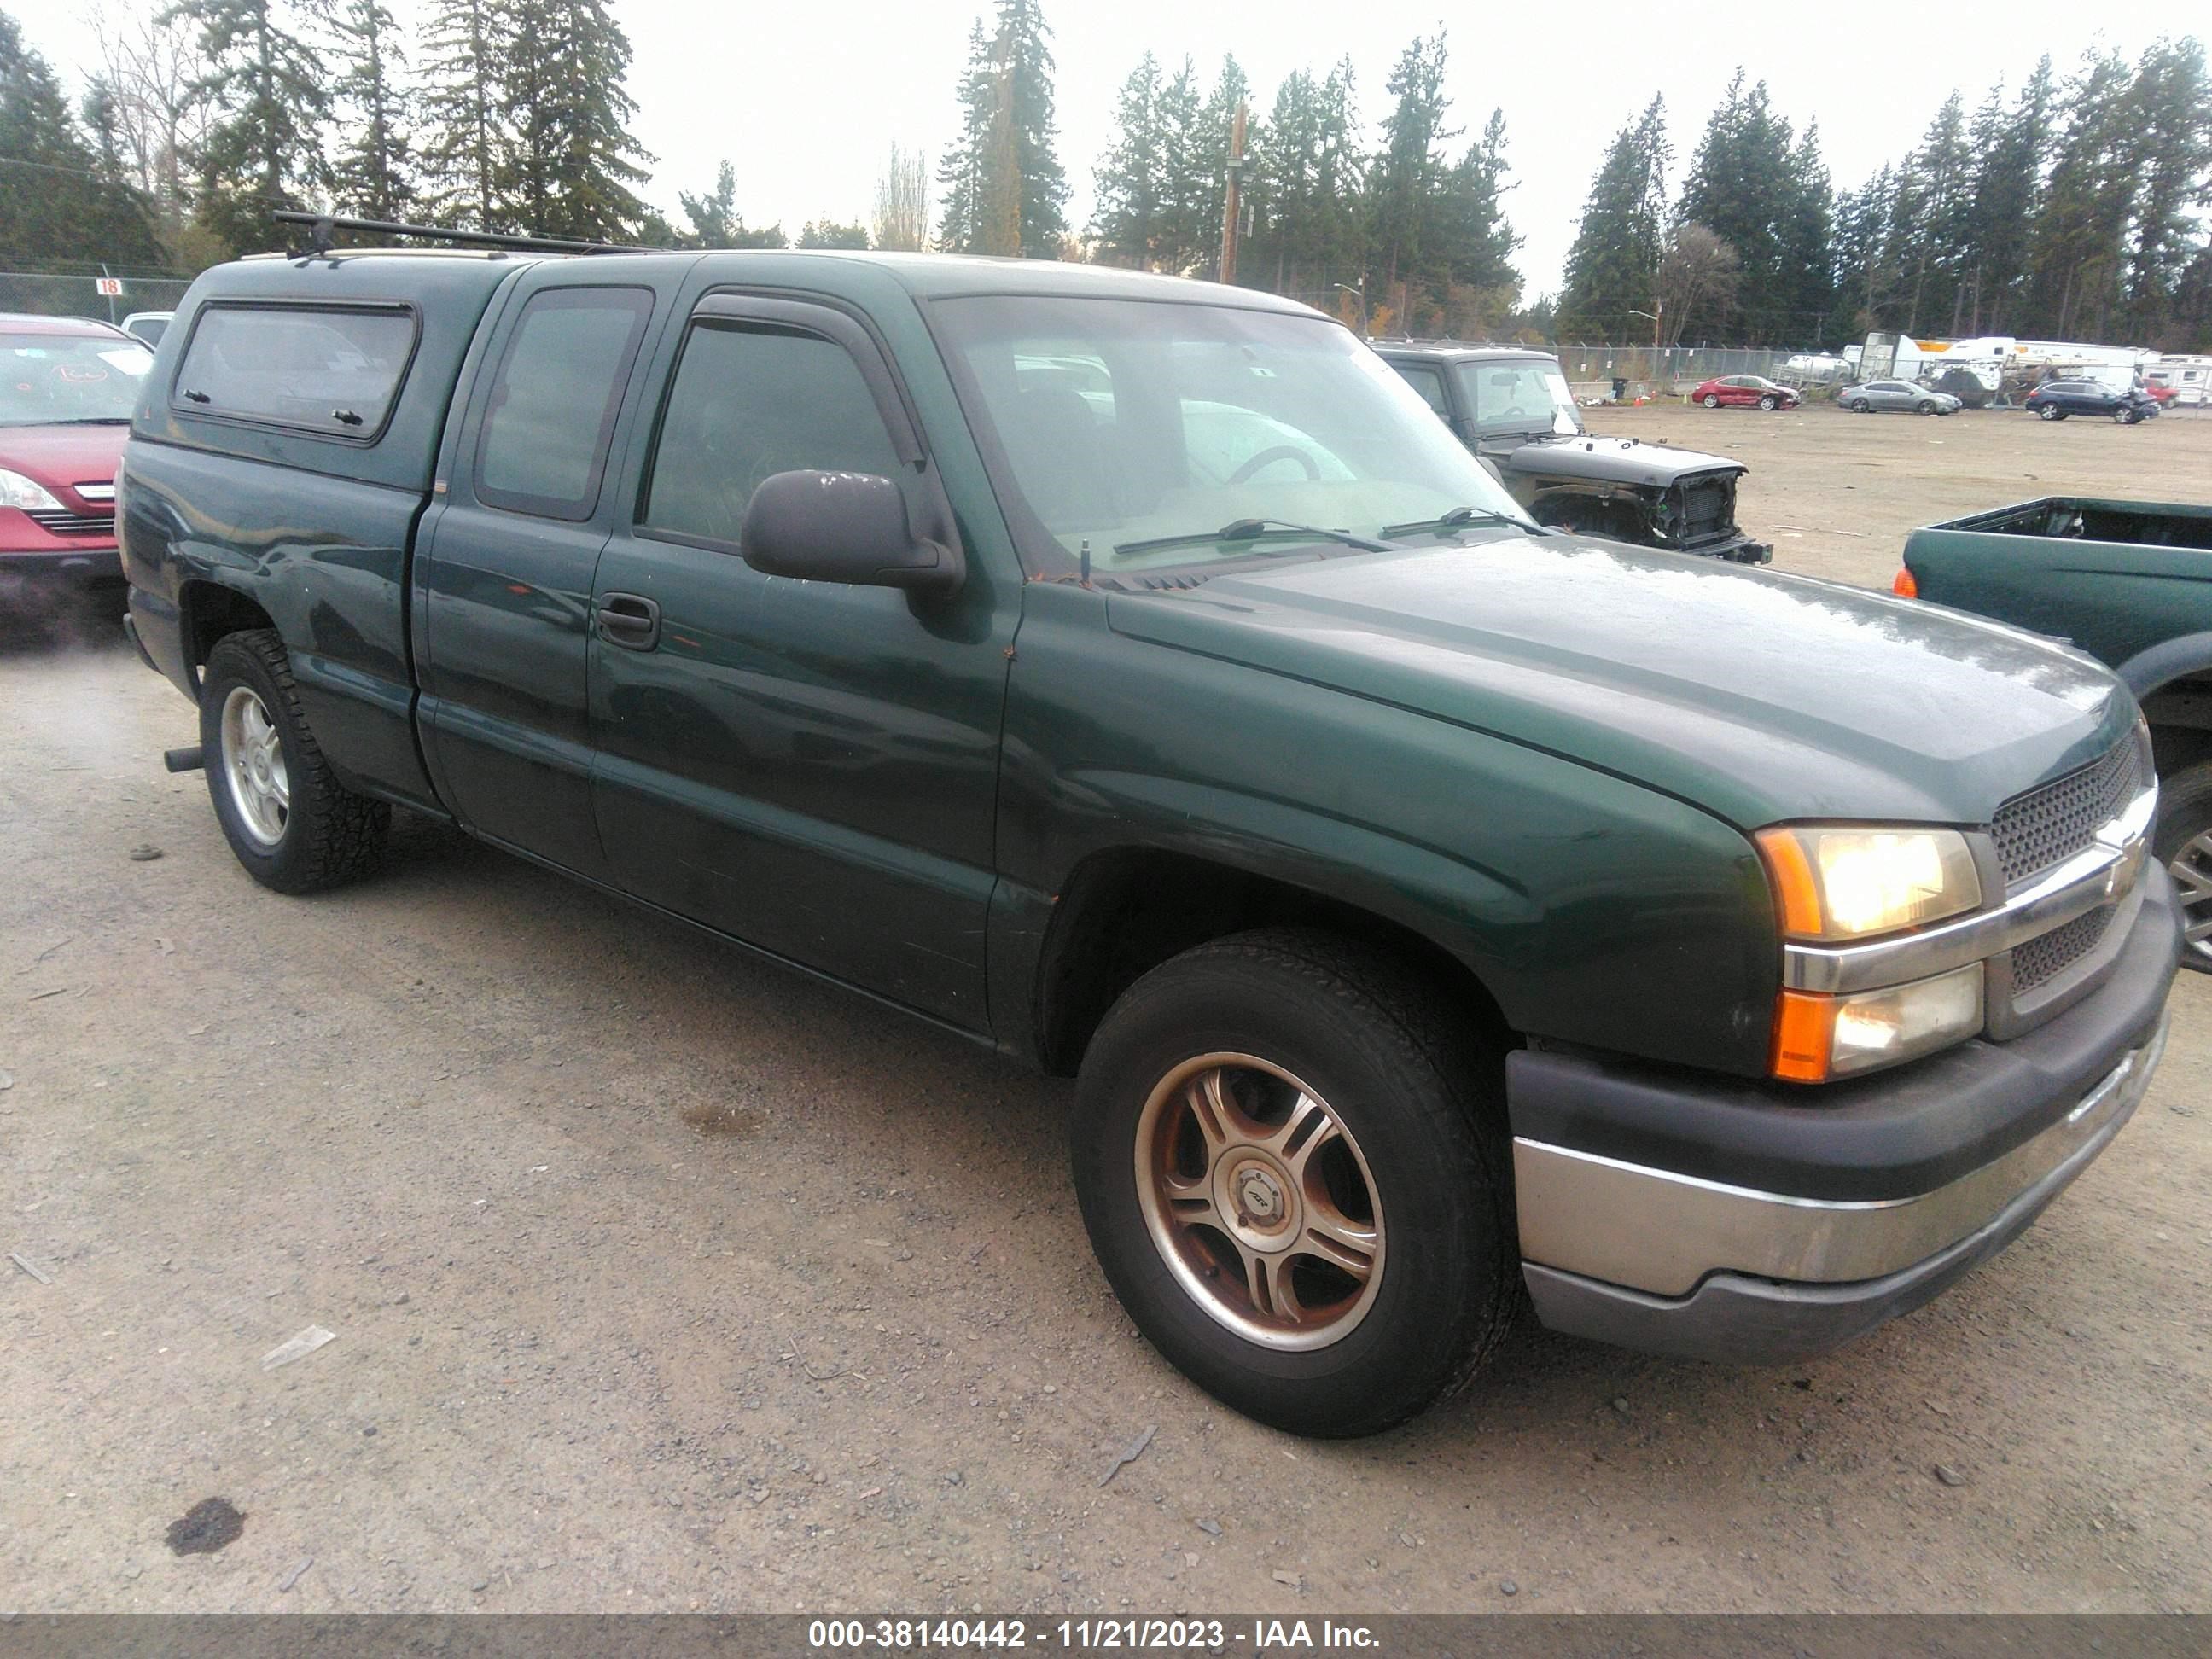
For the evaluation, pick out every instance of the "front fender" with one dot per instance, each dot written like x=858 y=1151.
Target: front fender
x=1593 y=910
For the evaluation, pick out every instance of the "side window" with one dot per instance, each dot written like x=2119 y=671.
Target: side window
x=748 y=402
x=1430 y=383
x=333 y=372
x=543 y=445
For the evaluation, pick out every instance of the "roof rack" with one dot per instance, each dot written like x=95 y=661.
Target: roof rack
x=321 y=225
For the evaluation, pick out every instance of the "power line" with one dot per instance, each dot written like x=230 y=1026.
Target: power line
x=49 y=167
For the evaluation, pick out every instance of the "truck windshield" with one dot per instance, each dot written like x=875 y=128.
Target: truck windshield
x=1156 y=434
x=1519 y=397
x=49 y=379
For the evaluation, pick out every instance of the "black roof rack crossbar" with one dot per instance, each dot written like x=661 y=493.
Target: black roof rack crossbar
x=323 y=224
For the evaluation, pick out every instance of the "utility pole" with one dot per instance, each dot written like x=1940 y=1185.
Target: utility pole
x=1231 y=213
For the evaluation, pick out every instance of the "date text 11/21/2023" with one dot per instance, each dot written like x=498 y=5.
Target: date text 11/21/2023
x=1087 y=1635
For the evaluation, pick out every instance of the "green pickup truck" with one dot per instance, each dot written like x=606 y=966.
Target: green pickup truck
x=1440 y=913
x=2131 y=583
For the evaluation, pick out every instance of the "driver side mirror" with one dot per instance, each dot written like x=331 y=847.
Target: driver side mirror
x=848 y=527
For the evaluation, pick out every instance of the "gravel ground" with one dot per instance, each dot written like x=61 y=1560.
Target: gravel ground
x=661 y=1279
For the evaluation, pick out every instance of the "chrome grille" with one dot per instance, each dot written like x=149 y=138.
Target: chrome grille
x=2045 y=956
x=60 y=521
x=2052 y=822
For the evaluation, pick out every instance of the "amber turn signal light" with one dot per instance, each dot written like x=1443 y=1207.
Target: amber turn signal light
x=1905 y=584
x=1804 y=1037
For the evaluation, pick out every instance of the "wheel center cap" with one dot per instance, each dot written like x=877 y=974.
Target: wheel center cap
x=1258 y=1198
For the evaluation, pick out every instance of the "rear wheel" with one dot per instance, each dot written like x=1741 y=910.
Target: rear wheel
x=2051 y=412
x=1859 y=406
x=1713 y=400
x=1292 y=1166
x=292 y=825
x=2182 y=843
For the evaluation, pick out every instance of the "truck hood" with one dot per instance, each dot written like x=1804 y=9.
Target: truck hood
x=1612 y=461
x=1758 y=697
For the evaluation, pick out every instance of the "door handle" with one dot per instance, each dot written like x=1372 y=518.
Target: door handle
x=630 y=620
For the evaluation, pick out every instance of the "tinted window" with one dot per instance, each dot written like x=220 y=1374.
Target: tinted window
x=327 y=371
x=749 y=403
x=68 y=377
x=553 y=405
x=1430 y=383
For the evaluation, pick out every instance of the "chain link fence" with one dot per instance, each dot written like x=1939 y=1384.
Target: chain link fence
x=71 y=294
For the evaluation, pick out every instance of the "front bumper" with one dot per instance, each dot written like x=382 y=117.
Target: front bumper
x=1738 y=549
x=1726 y=1222
x=72 y=564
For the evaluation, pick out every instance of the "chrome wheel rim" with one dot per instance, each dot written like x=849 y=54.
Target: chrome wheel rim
x=253 y=767
x=1260 y=1201
x=2191 y=869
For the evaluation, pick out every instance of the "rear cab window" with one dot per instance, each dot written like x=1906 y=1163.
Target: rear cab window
x=334 y=371
x=543 y=447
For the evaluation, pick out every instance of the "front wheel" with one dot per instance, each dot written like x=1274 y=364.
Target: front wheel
x=1712 y=401
x=2182 y=843
x=292 y=825
x=1768 y=404
x=1292 y=1167
x=2124 y=416
x=1930 y=409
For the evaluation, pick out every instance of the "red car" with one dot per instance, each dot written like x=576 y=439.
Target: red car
x=1745 y=392
x=67 y=385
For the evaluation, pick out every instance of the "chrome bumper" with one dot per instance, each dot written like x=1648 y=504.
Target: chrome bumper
x=1663 y=1234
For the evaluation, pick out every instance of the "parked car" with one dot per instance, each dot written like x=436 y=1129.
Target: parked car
x=67 y=388
x=2131 y=583
x=1436 y=910
x=1877 y=396
x=1745 y=392
x=1512 y=407
x=148 y=326
x=2054 y=400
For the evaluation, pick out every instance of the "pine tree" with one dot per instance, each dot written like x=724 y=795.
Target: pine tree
x=2008 y=147
x=373 y=176
x=1128 y=185
x=569 y=170
x=715 y=220
x=1041 y=187
x=1406 y=171
x=61 y=199
x=1808 y=237
x=465 y=142
x=2077 y=252
x=828 y=234
x=960 y=175
x=1933 y=218
x=271 y=88
x=1615 y=256
x=1861 y=239
x=1187 y=202
x=1742 y=187
x=1470 y=244
x=2171 y=103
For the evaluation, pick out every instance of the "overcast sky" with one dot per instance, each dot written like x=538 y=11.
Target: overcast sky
x=805 y=98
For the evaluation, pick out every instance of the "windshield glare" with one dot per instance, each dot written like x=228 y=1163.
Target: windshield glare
x=1131 y=421
x=1524 y=396
x=50 y=378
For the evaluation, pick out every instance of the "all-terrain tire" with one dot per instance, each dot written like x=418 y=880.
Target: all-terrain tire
x=329 y=834
x=1421 y=1098
x=2182 y=843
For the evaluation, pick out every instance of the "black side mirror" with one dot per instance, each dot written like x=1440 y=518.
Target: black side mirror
x=842 y=527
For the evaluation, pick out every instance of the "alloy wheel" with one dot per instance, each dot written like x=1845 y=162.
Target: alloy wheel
x=1260 y=1201
x=253 y=767
x=2191 y=869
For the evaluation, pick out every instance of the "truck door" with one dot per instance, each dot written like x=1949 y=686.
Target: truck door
x=809 y=767
x=503 y=586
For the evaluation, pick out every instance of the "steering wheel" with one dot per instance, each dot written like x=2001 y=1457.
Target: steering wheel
x=1515 y=413
x=1267 y=458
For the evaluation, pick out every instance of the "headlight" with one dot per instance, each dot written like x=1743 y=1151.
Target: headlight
x=21 y=493
x=1853 y=883
x=1819 y=1038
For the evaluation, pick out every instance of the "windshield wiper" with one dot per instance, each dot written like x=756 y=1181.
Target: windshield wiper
x=1252 y=530
x=1459 y=518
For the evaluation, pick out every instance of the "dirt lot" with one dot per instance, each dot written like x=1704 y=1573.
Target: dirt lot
x=665 y=1281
